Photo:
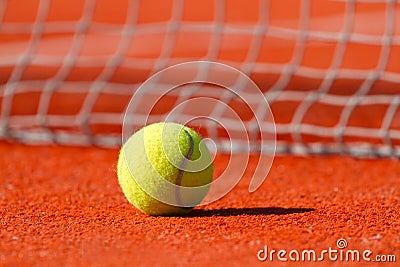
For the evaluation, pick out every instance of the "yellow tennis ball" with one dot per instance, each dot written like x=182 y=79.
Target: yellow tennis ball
x=165 y=169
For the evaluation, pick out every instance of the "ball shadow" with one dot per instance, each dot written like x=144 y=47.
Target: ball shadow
x=247 y=211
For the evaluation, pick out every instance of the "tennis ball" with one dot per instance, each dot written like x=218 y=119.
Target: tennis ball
x=165 y=169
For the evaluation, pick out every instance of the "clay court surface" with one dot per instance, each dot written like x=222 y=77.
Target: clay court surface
x=62 y=206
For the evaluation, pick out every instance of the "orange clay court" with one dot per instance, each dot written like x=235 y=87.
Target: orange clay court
x=329 y=70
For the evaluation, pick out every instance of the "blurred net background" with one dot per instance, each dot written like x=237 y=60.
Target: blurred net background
x=330 y=70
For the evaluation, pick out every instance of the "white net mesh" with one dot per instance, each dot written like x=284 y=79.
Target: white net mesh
x=329 y=69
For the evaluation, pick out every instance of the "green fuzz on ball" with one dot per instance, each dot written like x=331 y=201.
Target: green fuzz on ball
x=158 y=157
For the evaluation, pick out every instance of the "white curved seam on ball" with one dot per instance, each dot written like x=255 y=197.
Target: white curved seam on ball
x=182 y=170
